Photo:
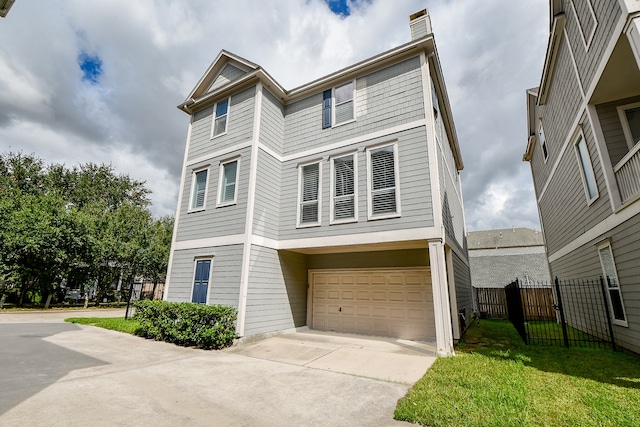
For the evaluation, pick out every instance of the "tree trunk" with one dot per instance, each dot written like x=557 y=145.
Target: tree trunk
x=153 y=292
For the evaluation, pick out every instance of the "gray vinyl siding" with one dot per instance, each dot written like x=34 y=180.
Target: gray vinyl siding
x=225 y=274
x=215 y=221
x=378 y=259
x=612 y=128
x=389 y=97
x=452 y=210
x=239 y=126
x=607 y=14
x=564 y=208
x=267 y=200
x=584 y=262
x=464 y=292
x=415 y=190
x=558 y=115
x=272 y=122
x=277 y=293
x=228 y=74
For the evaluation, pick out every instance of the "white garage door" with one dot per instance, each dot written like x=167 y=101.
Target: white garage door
x=386 y=302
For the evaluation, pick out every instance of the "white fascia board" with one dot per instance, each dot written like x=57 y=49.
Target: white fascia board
x=553 y=47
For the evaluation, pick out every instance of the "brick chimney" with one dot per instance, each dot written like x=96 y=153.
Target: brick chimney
x=420 y=24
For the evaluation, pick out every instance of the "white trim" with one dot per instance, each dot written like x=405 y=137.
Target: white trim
x=586 y=39
x=232 y=239
x=578 y=137
x=432 y=152
x=213 y=119
x=193 y=276
x=301 y=189
x=248 y=228
x=334 y=104
x=396 y=171
x=574 y=63
x=332 y=221
x=441 y=306
x=219 y=153
x=622 y=113
x=223 y=163
x=598 y=230
x=600 y=246
x=194 y=172
x=183 y=175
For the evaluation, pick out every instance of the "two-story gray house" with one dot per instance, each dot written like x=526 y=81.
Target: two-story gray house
x=584 y=151
x=336 y=205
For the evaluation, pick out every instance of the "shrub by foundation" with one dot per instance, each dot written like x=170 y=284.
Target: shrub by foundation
x=187 y=324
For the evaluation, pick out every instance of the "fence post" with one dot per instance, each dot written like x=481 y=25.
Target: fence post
x=561 y=308
x=606 y=310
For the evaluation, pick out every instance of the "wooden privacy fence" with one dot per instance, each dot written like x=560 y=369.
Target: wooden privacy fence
x=537 y=303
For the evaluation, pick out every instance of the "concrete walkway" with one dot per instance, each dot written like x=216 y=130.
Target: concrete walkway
x=57 y=374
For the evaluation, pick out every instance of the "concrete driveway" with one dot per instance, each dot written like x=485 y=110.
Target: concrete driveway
x=57 y=374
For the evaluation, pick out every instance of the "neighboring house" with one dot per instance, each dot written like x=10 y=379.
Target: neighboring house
x=584 y=129
x=498 y=257
x=336 y=205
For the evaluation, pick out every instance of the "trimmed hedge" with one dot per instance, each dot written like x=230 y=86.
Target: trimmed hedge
x=186 y=324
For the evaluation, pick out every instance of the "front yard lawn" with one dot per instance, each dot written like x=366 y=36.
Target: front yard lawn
x=497 y=380
x=114 y=323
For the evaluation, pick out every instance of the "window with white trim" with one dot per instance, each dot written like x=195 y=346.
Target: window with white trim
x=630 y=118
x=543 y=142
x=338 y=105
x=608 y=264
x=199 y=189
x=344 y=189
x=228 y=182
x=201 y=279
x=382 y=176
x=220 y=115
x=309 y=194
x=588 y=177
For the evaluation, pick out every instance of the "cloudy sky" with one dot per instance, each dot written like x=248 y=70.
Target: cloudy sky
x=98 y=81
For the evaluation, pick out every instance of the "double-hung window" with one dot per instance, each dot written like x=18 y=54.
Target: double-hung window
x=344 y=189
x=201 y=281
x=630 y=118
x=228 y=182
x=383 y=182
x=338 y=105
x=611 y=282
x=543 y=142
x=309 y=194
x=199 y=189
x=220 y=115
x=588 y=177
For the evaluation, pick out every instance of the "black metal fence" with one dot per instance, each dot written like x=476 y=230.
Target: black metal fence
x=570 y=312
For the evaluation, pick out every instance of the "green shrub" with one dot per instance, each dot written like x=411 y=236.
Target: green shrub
x=187 y=324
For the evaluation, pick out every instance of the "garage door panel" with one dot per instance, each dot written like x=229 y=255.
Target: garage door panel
x=383 y=302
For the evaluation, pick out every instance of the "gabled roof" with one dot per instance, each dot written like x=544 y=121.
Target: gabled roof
x=203 y=94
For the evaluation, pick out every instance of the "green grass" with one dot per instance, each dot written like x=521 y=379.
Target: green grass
x=496 y=380
x=114 y=323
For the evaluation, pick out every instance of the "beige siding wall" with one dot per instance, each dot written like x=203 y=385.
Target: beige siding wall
x=266 y=216
x=612 y=128
x=379 y=259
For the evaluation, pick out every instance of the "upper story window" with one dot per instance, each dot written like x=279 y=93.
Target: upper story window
x=613 y=285
x=309 y=194
x=199 y=189
x=586 y=18
x=228 y=180
x=338 y=105
x=588 y=177
x=382 y=177
x=220 y=115
x=543 y=142
x=343 y=189
x=630 y=118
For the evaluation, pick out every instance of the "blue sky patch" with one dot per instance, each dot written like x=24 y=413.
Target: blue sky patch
x=91 y=67
x=339 y=7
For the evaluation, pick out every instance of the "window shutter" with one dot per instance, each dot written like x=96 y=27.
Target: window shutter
x=344 y=188
x=383 y=184
x=326 y=109
x=228 y=190
x=201 y=281
x=310 y=186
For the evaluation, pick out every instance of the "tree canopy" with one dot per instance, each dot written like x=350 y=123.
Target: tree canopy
x=86 y=224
